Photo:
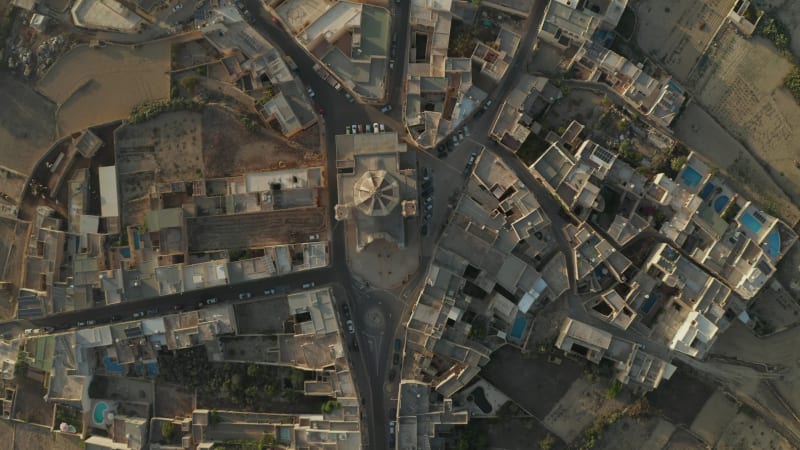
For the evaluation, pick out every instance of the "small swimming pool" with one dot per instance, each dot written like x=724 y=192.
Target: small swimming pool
x=751 y=222
x=720 y=203
x=648 y=304
x=707 y=190
x=691 y=177
x=99 y=413
x=518 y=328
x=774 y=244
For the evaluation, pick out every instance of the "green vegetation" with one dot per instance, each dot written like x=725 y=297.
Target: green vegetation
x=21 y=367
x=250 y=122
x=614 y=389
x=532 y=149
x=6 y=25
x=629 y=155
x=777 y=32
x=269 y=93
x=330 y=406
x=243 y=386
x=730 y=212
x=677 y=163
x=469 y=437
x=265 y=443
x=547 y=442
x=167 y=431
x=190 y=84
x=792 y=82
x=213 y=417
x=69 y=415
x=593 y=434
x=149 y=110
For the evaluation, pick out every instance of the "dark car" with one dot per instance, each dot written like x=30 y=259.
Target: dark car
x=398 y=344
x=392 y=375
x=346 y=310
x=116 y=317
x=178 y=307
x=152 y=311
x=424 y=230
x=396 y=359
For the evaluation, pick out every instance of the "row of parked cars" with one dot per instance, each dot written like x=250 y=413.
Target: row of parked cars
x=426 y=199
x=358 y=128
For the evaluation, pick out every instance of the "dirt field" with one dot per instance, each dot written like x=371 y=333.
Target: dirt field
x=31 y=437
x=263 y=316
x=741 y=86
x=745 y=431
x=265 y=150
x=30 y=406
x=26 y=127
x=99 y=85
x=676 y=32
x=680 y=398
x=254 y=230
x=634 y=434
x=703 y=134
x=13 y=235
x=172 y=401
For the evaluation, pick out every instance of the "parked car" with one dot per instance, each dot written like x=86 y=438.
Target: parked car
x=269 y=292
x=466 y=131
x=360 y=128
x=200 y=304
x=213 y=300
x=244 y=296
x=355 y=128
x=386 y=109
x=81 y=324
x=177 y=307
x=349 y=97
x=369 y=128
x=346 y=310
x=376 y=128
x=308 y=285
x=313 y=237
x=396 y=358
x=383 y=128
x=137 y=315
x=487 y=105
x=350 y=327
x=429 y=206
x=424 y=230
x=115 y=317
x=152 y=311
x=426 y=174
x=311 y=92
x=347 y=129
x=428 y=200
x=398 y=344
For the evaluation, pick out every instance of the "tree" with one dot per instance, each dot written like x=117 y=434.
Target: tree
x=252 y=370
x=547 y=442
x=21 y=367
x=190 y=83
x=677 y=163
x=167 y=430
x=330 y=406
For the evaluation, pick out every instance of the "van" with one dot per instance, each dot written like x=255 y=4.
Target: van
x=394 y=38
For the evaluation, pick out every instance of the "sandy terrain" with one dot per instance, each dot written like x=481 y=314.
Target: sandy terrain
x=676 y=32
x=26 y=127
x=578 y=408
x=265 y=150
x=13 y=236
x=745 y=431
x=31 y=437
x=742 y=87
x=634 y=434
x=99 y=85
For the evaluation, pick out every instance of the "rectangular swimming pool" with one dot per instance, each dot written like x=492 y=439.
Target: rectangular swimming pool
x=691 y=177
x=751 y=222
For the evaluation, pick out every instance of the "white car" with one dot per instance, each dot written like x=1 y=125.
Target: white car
x=383 y=128
x=376 y=128
x=311 y=93
x=355 y=128
x=350 y=327
x=313 y=237
x=308 y=285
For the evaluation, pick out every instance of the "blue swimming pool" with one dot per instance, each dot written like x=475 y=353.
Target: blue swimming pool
x=518 y=328
x=112 y=366
x=691 y=177
x=99 y=413
x=751 y=222
x=720 y=203
x=648 y=304
x=136 y=240
x=774 y=244
x=706 y=191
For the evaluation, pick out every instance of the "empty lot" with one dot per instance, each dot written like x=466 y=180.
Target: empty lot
x=26 y=127
x=97 y=85
x=254 y=230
